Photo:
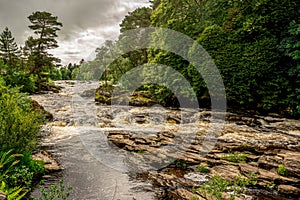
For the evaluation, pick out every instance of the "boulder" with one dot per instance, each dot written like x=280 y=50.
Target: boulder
x=2 y=195
x=289 y=190
x=37 y=107
x=50 y=164
x=291 y=161
x=227 y=172
x=185 y=194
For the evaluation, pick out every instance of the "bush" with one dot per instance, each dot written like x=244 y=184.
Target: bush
x=23 y=80
x=55 y=192
x=281 y=170
x=19 y=176
x=7 y=162
x=15 y=193
x=19 y=124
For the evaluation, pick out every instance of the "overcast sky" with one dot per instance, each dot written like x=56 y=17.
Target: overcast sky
x=86 y=23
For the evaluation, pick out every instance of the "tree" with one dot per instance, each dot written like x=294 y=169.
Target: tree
x=291 y=48
x=8 y=47
x=45 y=26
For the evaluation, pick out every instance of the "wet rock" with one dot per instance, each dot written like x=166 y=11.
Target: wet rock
x=291 y=162
x=2 y=195
x=140 y=141
x=59 y=123
x=247 y=169
x=227 y=172
x=269 y=162
x=289 y=190
x=166 y=134
x=120 y=141
x=88 y=93
x=50 y=164
x=185 y=194
x=37 y=107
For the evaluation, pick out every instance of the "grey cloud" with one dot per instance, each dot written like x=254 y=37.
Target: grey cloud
x=86 y=23
x=76 y=15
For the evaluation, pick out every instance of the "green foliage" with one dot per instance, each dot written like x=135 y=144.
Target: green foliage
x=180 y=164
x=45 y=26
x=15 y=193
x=20 y=175
x=141 y=151
x=8 y=48
x=290 y=46
x=202 y=169
x=281 y=170
x=216 y=186
x=24 y=172
x=19 y=124
x=55 y=191
x=161 y=94
x=235 y=157
x=24 y=81
x=7 y=162
x=19 y=169
x=255 y=45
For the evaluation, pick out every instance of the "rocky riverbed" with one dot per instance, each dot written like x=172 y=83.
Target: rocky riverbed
x=264 y=149
x=163 y=150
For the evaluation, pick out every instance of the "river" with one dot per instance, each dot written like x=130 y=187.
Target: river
x=81 y=147
x=103 y=149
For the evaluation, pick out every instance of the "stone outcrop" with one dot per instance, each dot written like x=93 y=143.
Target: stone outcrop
x=50 y=164
x=2 y=195
x=247 y=148
x=37 y=107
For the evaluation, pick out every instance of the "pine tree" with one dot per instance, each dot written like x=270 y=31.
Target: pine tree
x=8 y=48
x=45 y=26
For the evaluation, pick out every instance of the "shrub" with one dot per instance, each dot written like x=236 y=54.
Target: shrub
x=216 y=186
x=15 y=193
x=23 y=80
x=55 y=191
x=7 y=162
x=19 y=124
x=19 y=176
x=281 y=170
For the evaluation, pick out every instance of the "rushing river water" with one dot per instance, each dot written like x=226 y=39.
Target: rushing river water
x=91 y=164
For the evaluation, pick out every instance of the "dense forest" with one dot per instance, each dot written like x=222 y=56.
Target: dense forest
x=255 y=45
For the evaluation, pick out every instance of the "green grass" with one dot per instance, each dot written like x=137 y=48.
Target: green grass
x=217 y=186
x=202 y=169
x=281 y=170
x=235 y=157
